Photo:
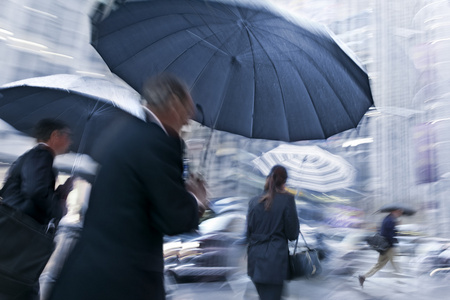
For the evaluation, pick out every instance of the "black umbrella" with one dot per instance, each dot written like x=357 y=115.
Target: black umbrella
x=407 y=211
x=252 y=70
x=88 y=105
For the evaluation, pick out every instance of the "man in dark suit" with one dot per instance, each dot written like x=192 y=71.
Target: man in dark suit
x=30 y=183
x=138 y=196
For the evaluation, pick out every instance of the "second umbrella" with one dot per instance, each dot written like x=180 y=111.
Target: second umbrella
x=309 y=167
x=88 y=105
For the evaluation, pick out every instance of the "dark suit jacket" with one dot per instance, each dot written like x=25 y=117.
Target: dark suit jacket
x=268 y=233
x=138 y=196
x=30 y=185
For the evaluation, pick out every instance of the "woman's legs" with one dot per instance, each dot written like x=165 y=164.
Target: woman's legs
x=269 y=291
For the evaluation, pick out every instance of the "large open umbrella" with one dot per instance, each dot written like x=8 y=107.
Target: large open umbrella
x=253 y=70
x=88 y=105
x=309 y=167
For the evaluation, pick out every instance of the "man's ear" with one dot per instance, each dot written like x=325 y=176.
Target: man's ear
x=54 y=136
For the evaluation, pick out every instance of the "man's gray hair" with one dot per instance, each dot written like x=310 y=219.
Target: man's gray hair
x=157 y=91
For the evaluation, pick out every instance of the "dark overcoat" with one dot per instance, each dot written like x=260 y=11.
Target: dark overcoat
x=268 y=232
x=30 y=185
x=138 y=196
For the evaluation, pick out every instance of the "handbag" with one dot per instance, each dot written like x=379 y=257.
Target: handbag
x=305 y=263
x=26 y=247
x=378 y=242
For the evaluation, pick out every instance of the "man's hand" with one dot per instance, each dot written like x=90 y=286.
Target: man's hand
x=197 y=186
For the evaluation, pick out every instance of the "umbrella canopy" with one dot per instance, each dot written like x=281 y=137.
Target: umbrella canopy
x=407 y=211
x=88 y=105
x=253 y=70
x=309 y=167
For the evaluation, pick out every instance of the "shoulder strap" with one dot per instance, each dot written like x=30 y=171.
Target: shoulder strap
x=296 y=242
x=306 y=244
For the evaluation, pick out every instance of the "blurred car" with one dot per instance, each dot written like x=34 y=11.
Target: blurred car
x=205 y=255
x=229 y=204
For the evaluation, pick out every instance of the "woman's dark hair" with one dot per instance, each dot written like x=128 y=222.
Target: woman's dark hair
x=274 y=183
x=44 y=128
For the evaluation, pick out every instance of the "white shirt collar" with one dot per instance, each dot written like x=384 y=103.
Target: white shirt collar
x=151 y=117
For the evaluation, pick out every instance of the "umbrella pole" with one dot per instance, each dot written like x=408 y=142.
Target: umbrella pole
x=83 y=139
x=202 y=167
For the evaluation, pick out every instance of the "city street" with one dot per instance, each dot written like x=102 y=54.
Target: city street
x=381 y=286
x=184 y=139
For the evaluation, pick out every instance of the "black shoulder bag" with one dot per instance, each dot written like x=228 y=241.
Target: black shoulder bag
x=378 y=243
x=305 y=263
x=25 y=247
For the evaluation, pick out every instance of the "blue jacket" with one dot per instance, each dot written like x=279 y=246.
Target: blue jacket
x=388 y=229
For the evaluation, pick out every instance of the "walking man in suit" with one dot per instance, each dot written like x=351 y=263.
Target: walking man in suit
x=30 y=184
x=388 y=231
x=138 y=196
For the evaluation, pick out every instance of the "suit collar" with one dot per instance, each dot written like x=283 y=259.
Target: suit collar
x=150 y=117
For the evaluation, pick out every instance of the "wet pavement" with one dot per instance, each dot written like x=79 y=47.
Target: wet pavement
x=384 y=285
x=380 y=286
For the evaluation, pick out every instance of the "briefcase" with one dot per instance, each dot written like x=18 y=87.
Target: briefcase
x=25 y=247
x=378 y=242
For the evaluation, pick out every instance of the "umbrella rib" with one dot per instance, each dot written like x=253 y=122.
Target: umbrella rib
x=222 y=100
x=94 y=110
x=199 y=41
x=164 y=37
x=254 y=81
x=207 y=23
x=312 y=102
x=171 y=34
x=312 y=62
x=200 y=14
x=276 y=71
x=42 y=107
x=355 y=123
x=311 y=38
x=124 y=28
x=68 y=108
x=329 y=84
x=205 y=66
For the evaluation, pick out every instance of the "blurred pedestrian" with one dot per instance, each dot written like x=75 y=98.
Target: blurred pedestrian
x=30 y=183
x=388 y=231
x=271 y=221
x=138 y=196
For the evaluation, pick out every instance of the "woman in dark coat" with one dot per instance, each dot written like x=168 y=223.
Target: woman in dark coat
x=271 y=221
